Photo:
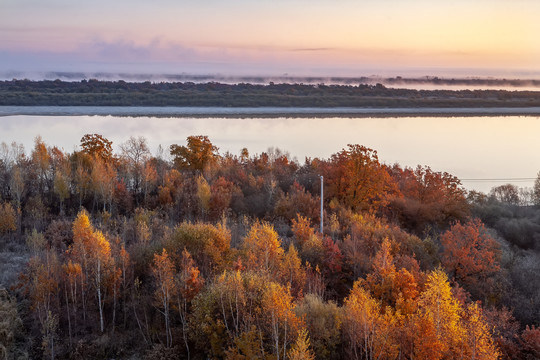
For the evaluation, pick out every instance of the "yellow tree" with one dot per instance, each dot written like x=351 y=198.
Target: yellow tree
x=163 y=272
x=440 y=329
x=292 y=272
x=101 y=268
x=79 y=253
x=478 y=342
x=281 y=321
x=367 y=329
x=209 y=245
x=300 y=349
x=93 y=251
x=263 y=249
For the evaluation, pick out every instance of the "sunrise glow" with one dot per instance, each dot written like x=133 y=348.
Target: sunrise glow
x=271 y=37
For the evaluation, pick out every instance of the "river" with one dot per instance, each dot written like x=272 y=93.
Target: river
x=503 y=149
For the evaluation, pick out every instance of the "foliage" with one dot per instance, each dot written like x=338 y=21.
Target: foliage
x=471 y=255
x=7 y=218
x=218 y=256
x=197 y=155
x=358 y=180
x=362 y=94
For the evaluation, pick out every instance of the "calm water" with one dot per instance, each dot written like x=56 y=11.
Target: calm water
x=494 y=147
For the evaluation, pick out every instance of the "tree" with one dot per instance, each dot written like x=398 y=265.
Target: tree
x=103 y=176
x=292 y=272
x=478 y=342
x=536 y=190
x=72 y=272
x=17 y=185
x=96 y=145
x=298 y=202
x=209 y=245
x=43 y=285
x=78 y=251
x=471 y=255
x=204 y=195
x=149 y=179
x=61 y=168
x=163 y=272
x=263 y=249
x=530 y=343
x=428 y=198
x=41 y=160
x=100 y=262
x=356 y=178
x=506 y=193
x=281 y=322
x=439 y=329
x=300 y=349
x=198 y=154
x=61 y=187
x=135 y=151
x=189 y=284
x=10 y=325
x=323 y=321
x=367 y=329
x=93 y=251
x=8 y=220
x=302 y=230
x=222 y=192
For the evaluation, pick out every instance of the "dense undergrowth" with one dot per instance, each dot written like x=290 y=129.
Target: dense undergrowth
x=211 y=255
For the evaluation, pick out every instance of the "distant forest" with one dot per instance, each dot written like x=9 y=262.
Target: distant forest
x=209 y=255
x=122 y=93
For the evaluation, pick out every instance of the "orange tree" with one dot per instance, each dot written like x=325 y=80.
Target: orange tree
x=357 y=179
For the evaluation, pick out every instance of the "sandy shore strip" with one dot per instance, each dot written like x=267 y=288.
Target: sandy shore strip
x=243 y=112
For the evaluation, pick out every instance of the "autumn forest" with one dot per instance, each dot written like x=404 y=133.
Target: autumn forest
x=191 y=253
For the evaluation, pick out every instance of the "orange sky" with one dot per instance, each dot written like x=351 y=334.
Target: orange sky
x=305 y=37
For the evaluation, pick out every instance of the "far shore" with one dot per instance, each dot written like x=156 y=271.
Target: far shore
x=262 y=112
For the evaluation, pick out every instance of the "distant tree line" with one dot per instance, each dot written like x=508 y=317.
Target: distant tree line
x=121 y=93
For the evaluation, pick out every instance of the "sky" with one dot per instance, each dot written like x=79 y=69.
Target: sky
x=273 y=37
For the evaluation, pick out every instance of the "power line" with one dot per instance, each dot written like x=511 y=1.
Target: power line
x=499 y=179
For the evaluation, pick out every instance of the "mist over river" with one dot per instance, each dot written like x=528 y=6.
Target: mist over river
x=469 y=147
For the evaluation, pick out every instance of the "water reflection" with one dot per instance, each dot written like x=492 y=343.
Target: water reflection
x=468 y=147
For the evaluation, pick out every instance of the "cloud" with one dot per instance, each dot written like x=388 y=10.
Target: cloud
x=314 y=49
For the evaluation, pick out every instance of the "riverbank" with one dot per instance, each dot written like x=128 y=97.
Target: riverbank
x=270 y=112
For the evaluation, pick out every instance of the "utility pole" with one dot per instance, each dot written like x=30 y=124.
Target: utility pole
x=322 y=198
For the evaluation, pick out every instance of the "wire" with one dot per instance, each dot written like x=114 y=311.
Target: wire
x=500 y=179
